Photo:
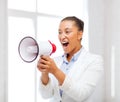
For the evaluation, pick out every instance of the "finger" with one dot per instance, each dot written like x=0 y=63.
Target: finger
x=42 y=66
x=45 y=57
x=42 y=61
x=44 y=70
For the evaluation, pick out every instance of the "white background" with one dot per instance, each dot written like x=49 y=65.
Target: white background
x=103 y=38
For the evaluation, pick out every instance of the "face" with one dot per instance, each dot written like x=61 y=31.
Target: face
x=69 y=36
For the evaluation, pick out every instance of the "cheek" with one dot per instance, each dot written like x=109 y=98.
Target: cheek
x=74 y=41
x=73 y=38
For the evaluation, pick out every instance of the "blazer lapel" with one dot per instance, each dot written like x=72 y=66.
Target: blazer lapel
x=79 y=65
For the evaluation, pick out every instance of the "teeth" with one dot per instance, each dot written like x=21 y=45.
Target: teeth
x=65 y=43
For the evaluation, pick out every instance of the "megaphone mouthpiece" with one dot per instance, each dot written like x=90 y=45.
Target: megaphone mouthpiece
x=53 y=47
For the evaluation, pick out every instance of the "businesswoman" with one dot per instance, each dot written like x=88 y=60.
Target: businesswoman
x=74 y=76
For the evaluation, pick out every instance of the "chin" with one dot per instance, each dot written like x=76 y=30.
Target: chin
x=66 y=52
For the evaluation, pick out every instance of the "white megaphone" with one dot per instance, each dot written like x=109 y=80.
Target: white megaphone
x=29 y=49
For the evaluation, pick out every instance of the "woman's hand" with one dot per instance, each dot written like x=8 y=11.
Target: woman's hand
x=46 y=64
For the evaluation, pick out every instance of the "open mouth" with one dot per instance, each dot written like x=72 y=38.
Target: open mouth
x=65 y=44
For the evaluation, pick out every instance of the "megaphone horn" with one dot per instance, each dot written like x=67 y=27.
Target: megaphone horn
x=29 y=49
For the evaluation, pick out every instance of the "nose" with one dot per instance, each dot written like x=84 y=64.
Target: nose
x=62 y=36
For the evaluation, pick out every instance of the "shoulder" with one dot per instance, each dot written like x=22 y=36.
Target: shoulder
x=91 y=61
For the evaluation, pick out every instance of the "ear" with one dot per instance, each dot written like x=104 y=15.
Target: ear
x=80 y=34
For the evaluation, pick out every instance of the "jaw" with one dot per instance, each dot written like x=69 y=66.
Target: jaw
x=71 y=49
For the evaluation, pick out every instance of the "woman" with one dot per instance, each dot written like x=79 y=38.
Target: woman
x=72 y=77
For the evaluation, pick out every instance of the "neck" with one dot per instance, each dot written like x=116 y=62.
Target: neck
x=70 y=55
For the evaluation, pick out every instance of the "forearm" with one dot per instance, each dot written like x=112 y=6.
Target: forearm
x=60 y=76
x=45 y=78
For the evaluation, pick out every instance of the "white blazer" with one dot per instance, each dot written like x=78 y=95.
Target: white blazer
x=81 y=82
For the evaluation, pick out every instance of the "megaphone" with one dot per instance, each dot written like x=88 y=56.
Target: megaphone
x=29 y=49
